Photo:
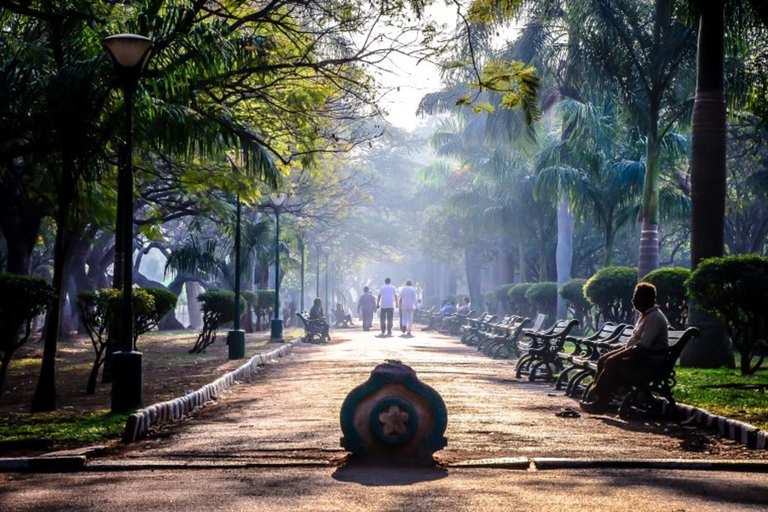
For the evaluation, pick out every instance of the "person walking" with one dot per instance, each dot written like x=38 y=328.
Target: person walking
x=408 y=302
x=386 y=301
x=366 y=306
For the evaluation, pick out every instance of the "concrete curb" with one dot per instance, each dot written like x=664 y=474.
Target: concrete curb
x=42 y=464
x=744 y=433
x=545 y=463
x=140 y=422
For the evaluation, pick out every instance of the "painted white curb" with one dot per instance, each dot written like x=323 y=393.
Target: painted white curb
x=140 y=422
x=744 y=433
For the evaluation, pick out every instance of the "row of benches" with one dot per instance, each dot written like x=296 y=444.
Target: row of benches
x=555 y=355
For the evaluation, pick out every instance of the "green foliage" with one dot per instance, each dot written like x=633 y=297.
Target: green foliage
x=500 y=296
x=671 y=293
x=22 y=299
x=218 y=307
x=735 y=289
x=518 y=302
x=610 y=290
x=572 y=293
x=147 y=318
x=543 y=296
x=64 y=428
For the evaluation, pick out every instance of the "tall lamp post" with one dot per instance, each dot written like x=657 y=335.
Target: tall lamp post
x=277 y=201
x=236 y=337
x=129 y=53
x=326 y=253
x=318 y=250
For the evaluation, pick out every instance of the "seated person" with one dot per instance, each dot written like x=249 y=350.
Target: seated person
x=342 y=319
x=317 y=314
x=649 y=340
x=464 y=309
x=448 y=309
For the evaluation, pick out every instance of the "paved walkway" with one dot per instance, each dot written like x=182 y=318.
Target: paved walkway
x=287 y=419
x=292 y=411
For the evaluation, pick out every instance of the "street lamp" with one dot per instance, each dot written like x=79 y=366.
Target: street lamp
x=318 y=250
x=129 y=53
x=326 y=253
x=277 y=201
x=236 y=337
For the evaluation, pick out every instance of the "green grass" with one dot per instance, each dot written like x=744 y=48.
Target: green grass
x=749 y=405
x=63 y=427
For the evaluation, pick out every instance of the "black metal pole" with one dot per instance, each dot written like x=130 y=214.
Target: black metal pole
x=277 y=322
x=236 y=322
x=326 y=284
x=303 y=264
x=317 y=273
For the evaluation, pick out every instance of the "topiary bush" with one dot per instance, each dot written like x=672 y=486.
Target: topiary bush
x=22 y=299
x=218 y=307
x=98 y=307
x=671 y=293
x=500 y=297
x=543 y=297
x=518 y=302
x=580 y=308
x=735 y=289
x=610 y=291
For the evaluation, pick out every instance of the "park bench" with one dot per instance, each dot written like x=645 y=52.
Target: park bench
x=583 y=366
x=314 y=330
x=650 y=386
x=453 y=324
x=585 y=348
x=474 y=327
x=540 y=352
x=494 y=331
x=422 y=316
x=504 y=345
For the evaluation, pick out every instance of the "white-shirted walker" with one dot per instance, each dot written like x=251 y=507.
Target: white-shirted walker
x=408 y=301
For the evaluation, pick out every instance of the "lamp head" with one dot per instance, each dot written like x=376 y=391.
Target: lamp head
x=130 y=53
x=277 y=200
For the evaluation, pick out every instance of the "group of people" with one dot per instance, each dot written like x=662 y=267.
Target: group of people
x=387 y=299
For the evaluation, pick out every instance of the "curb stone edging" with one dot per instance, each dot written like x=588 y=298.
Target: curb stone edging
x=63 y=464
x=744 y=433
x=140 y=422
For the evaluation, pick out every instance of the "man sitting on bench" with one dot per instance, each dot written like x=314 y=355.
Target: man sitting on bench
x=649 y=340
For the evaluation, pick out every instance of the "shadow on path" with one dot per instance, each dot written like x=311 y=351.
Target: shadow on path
x=376 y=476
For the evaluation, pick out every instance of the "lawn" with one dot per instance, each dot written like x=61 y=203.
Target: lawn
x=725 y=392
x=169 y=371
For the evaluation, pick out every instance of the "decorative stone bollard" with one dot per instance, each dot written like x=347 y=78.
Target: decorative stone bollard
x=393 y=416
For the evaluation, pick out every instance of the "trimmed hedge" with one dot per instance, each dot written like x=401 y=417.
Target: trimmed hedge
x=572 y=293
x=543 y=296
x=735 y=289
x=610 y=291
x=671 y=293
x=22 y=299
x=518 y=302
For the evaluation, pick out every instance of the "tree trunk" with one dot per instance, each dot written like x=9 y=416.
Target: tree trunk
x=523 y=265
x=712 y=348
x=193 y=305
x=472 y=269
x=564 y=254
x=20 y=232
x=45 y=393
x=648 y=258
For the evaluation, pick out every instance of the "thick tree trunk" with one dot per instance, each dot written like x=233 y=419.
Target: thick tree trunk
x=648 y=258
x=45 y=393
x=521 y=249
x=20 y=232
x=712 y=348
x=195 y=315
x=564 y=254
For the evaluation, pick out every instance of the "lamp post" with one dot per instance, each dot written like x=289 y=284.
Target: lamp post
x=236 y=337
x=277 y=201
x=303 y=265
x=326 y=253
x=129 y=53
x=317 y=271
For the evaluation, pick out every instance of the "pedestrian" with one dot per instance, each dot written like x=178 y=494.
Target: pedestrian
x=408 y=302
x=386 y=301
x=366 y=306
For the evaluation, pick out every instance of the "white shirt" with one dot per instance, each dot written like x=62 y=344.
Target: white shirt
x=387 y=295
x=650 y=331
x=408 y=297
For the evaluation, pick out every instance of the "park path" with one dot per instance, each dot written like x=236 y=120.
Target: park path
x=290 y=412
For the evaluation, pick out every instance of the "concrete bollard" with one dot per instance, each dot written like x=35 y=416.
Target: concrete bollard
x=393 y=417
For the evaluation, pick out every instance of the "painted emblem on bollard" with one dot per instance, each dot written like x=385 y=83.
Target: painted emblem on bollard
x=393 y=415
